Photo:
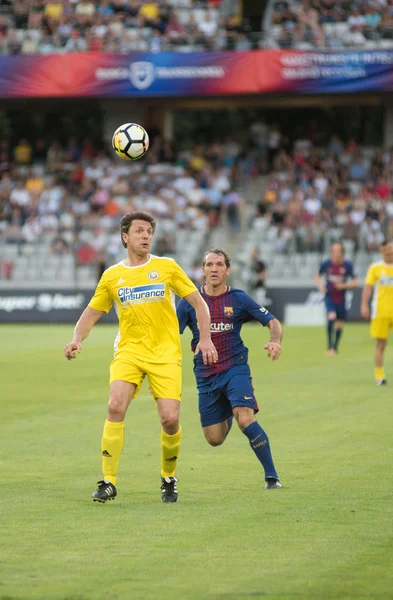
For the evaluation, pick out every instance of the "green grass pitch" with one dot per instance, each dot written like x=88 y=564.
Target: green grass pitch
x=326 y=535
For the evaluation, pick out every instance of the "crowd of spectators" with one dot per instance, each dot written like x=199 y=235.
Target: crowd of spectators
x=338 y=189
x=74 y=195
x=333 y=24
x=121 y=26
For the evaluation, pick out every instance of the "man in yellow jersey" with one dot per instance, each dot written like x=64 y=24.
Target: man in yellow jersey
x=142 y=289
x=380 y=279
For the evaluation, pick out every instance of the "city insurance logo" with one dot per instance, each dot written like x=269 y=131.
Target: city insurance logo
x=142 y=74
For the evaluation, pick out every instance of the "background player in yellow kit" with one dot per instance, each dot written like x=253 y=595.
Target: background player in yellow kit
x=142 y=290
x=380 y=279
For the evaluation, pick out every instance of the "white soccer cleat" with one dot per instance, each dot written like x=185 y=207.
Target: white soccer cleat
x=272 y=483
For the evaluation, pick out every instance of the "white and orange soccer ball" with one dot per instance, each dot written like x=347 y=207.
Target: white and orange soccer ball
x=130 y=141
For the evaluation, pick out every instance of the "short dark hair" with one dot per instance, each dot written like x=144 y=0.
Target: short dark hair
x=340 y=243
x=128 y=218
x=385 y=242
x=218 y=251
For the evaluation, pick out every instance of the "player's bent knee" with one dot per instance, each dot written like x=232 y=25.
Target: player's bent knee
x=170 y=422
x=117 y=408
x=214 y=439
x=244 y=416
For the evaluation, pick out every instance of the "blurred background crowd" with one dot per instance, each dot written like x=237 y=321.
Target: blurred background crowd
x=122 y=26
x=333 y=24
x=286 y=185
x=58 y=26
x=75 y=195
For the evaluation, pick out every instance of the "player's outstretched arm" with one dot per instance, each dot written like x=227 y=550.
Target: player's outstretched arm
x=273 y=347
x=205 y=345
x=82 y=329
x=364 y=304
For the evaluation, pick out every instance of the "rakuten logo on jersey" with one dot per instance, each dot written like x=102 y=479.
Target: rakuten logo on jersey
x=214 y=327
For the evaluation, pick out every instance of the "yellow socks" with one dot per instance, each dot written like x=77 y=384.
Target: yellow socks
x=379 y=373
x=170 y=446
x=111 y=447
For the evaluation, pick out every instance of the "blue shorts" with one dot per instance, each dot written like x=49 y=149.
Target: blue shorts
x=219 y=394
x=339 y=309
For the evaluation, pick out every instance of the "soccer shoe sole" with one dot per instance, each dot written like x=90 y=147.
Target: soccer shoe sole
x=101 y=500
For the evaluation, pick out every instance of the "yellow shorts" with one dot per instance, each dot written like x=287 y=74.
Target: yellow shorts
x=165 y=380
x=380 y=327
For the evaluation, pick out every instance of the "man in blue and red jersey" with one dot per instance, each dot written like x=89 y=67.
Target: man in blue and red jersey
x=335 y=277
x=225 y=389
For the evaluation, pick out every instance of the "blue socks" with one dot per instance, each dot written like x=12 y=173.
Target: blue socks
x=330 y=332
x=259 y=442
x=339 y=333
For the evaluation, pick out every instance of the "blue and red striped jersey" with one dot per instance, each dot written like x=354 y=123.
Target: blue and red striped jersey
x=336 y=273
x=228 y=312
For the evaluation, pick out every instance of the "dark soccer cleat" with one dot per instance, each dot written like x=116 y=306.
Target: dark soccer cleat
x=272 y=483
x=169 y=489
x=105 y=491
x=381 y=382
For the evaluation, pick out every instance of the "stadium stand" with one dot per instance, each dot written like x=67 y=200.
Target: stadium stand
x=62 y=207
x=60 y=204
x=314 y=196
x=328 y=24
x=122 y=26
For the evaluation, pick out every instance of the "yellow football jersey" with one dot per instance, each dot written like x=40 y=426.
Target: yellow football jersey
x=380 y=275
x=144 y=299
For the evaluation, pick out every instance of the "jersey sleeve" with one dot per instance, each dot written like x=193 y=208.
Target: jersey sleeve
x=182 y=314
x=350 y=270
x=323 y=267
x=371 y=276
x=181 y=283
x=102 y=299
x=257 y=312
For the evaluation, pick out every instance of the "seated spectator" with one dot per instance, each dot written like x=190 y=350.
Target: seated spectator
x=371 y=234
x=20 y=196
x=53 y=11
x=357 y=20
x=59 y=246
x=23 y=152
x=29 y=45
x=355 y=37
x=383 y=188
x=149 y=12
x=358 y=168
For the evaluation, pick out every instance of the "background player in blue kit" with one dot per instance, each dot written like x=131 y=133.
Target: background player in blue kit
x=335 y=277
x=225 y=389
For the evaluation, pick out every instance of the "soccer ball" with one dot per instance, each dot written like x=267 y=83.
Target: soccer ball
x=130 y=141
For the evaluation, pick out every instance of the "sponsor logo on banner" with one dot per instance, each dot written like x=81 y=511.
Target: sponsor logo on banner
x=44 y=302
x=141 y=294
x=142 y=74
